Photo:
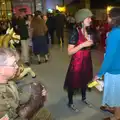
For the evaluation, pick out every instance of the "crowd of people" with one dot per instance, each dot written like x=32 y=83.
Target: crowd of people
x=36 y=32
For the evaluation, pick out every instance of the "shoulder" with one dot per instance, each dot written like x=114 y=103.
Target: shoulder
x=115 y=31
x=74 y=33
x=113 y=36
x=74 y=37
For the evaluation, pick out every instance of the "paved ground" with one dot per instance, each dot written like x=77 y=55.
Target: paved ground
x=52 y=74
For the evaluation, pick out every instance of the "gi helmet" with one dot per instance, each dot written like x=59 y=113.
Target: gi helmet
x=82 y=14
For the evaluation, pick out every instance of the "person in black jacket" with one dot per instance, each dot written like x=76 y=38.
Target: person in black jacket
x=59 y=25
x=23 y=32
x=51 y=28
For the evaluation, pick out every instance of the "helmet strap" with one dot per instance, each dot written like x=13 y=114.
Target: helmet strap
x=82 y=25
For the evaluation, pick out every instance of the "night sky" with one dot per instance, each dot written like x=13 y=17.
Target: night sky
x=94 y=3
x=53 y=3
x=104 y=3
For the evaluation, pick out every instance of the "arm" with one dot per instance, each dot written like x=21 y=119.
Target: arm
x=111 y=48
x=45 y=26
x=31 y=28
x=72 y=48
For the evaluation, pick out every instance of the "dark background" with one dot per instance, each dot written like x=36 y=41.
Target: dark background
x=104 y=3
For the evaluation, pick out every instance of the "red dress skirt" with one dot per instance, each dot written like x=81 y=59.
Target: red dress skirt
x=80 y=71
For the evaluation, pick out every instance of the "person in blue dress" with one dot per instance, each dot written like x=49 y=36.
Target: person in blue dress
x=111 y=66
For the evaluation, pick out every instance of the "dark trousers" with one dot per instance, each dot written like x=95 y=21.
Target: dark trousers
x=60 y=34
x=71 y=93
x=51 y=32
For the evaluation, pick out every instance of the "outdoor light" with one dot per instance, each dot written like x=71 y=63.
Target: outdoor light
x=61 y=9
x=50 y=10
x=109 y=8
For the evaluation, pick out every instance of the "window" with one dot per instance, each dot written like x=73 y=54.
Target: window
x=5 y=9
x=39 y=5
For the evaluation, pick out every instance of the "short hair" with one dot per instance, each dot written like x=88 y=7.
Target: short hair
x=37 y=13
x=114 y=14
x=5 y=53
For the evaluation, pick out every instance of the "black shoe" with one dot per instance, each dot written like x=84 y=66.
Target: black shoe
x=46 y=61
x=72 y=106
x=39 y=62
x=27 y=63
x=87 y=103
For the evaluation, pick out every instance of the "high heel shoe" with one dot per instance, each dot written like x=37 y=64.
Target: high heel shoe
x=109 y=118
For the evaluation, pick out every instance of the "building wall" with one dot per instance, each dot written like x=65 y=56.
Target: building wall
x=67 y=1
x=51 y=4
x=29 y=5
x=5 y=9
x=100 y=14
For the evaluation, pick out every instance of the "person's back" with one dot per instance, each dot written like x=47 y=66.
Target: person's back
x=59 y=26
x=39 y=27
x=22 y=28
x=60 y=20
x=50 y=22
x=111 y=62
x=114 y=36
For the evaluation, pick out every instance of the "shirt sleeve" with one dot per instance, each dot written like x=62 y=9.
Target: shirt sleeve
x=74 y=37
x=112 y=44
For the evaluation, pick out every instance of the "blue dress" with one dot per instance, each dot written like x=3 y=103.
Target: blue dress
x=111 y=94
x=40 y=45
x=111 y=69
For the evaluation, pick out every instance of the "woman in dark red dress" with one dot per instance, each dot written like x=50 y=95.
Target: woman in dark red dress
x=80 y=71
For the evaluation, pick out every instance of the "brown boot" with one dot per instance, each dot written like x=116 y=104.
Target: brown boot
x=108 y=109
x=108 y=118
